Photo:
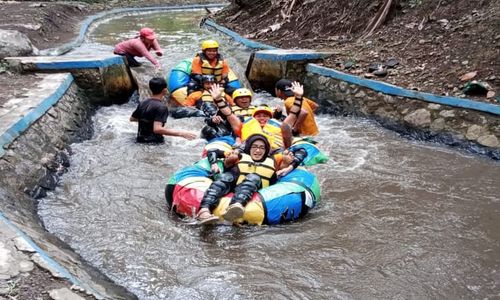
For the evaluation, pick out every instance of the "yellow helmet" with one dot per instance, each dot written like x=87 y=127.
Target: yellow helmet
x=242 y=92
x=263 y=108
x=209 y=44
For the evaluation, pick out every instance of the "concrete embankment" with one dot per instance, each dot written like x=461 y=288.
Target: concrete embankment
x=36 y=129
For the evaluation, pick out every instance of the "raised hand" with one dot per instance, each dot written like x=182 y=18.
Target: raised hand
x=297 y=89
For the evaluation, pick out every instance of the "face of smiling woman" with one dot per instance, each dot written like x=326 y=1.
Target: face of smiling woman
x=257 y=150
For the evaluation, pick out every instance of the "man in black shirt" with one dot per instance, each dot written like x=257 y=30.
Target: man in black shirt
x=152 y=115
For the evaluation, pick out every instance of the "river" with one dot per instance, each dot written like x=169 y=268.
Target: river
x=398 y=219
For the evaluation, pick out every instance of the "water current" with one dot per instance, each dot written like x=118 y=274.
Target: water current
x=398 y=219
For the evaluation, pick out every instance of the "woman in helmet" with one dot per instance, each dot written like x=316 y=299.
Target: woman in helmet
x=209 y=62
x=140 y=46
x=245 y=172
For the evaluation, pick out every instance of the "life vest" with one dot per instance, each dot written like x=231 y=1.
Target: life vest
x=207 y=97
x=207 y=69
x=243 y=112
x=271 y=130
x=264 y=169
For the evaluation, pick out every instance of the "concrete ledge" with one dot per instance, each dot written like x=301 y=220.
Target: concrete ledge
x=291 y=55
x=19 y=113
x=37 y=63
x=265 y=67
x=106 y=78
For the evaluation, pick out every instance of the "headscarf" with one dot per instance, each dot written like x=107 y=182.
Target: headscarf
x=253 y=138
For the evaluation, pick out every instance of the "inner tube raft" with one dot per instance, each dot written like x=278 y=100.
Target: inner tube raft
x=179 y=77
x=287 y=200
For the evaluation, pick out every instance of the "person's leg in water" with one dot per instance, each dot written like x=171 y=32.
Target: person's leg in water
x=211 y=198
x=131 y=61
x=242 y=194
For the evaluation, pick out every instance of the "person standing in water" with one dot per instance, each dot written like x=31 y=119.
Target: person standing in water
x=152 y=113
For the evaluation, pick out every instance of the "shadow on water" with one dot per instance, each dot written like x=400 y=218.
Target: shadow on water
x=397 y=219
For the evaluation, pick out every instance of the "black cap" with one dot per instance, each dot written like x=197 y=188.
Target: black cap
x=283 y=84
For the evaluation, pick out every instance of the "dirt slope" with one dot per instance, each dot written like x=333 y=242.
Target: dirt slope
x=434 y=41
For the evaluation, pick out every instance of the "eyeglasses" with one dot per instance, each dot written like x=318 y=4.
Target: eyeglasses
x=255 y=147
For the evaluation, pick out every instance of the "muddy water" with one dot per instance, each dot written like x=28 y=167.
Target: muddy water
x=397 y=219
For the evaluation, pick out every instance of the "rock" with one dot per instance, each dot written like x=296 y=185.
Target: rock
x=391 y=63
x=22 y=245
x=348 y=64
x=419 y=118
x=374 y=67
x=360 y=94
x=474 y=132
x=14 y=43
x=37 y=259
x=438 y=124
x=421 y=42
x=26 y=266
x=381 y=72
x=465 y=62
x=369 y=75
x=434 y=106
x=64 y=294
x=488 y=140
x=490 y=94
x=468 y=76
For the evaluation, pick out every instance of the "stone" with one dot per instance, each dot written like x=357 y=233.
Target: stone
x=22 y=245
x=37 y=259
x=26 y=266
x=343 y=86
x=360 y=94
x=468 y=76
x=419 y=118
x=434 y=106
x=389 y=99
x=64 y=294
x=14 y=43
x=474 y=132
x=438 y=124
x=447 y=113
x=488 y=140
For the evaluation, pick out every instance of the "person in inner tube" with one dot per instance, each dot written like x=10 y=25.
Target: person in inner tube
x=208 y=62
x=197 y=98
x=278 y=133
x=245 y=172
x=152 y=113
x=306 y=123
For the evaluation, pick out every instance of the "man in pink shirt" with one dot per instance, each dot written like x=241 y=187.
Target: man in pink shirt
x=140 y=46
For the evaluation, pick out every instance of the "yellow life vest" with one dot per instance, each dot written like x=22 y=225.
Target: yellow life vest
x=207 y=97
x=272 y=131
x=207 y=69
x=264 y=169
x=243 y=112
